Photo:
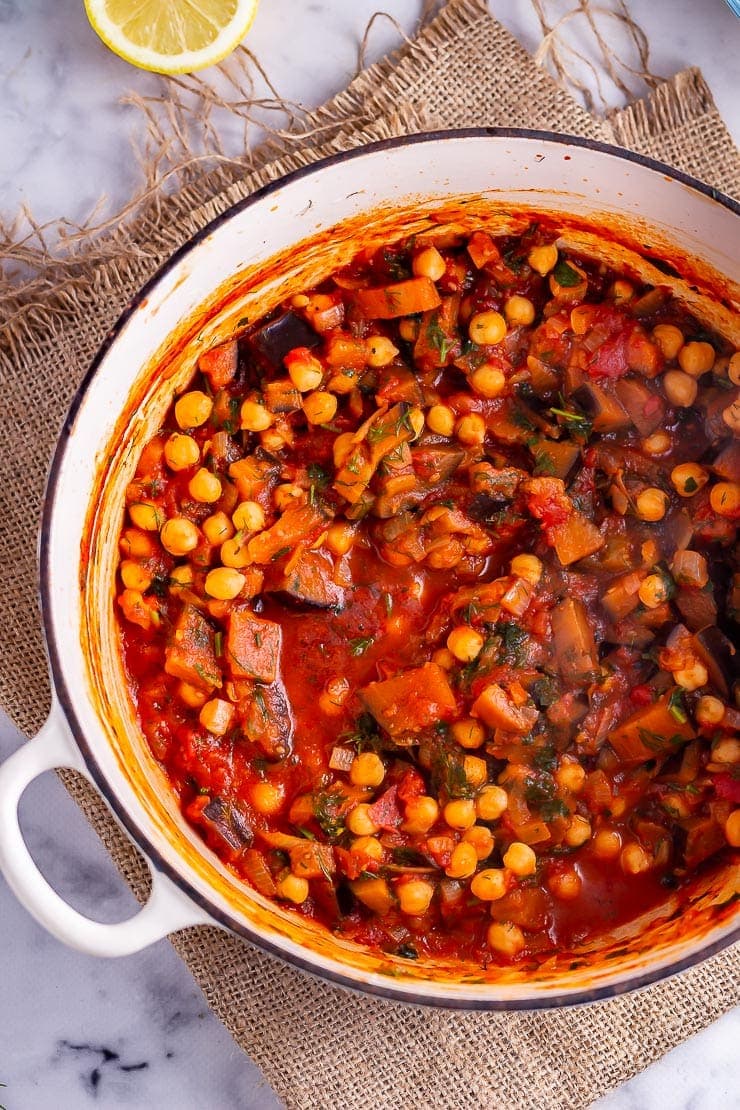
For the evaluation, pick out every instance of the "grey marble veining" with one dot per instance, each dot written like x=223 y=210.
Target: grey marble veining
x=136 y=1033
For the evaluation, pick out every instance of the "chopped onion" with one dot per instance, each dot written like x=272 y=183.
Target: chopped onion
x=341 y=759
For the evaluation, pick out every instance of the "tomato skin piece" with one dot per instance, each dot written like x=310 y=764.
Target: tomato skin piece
x=727 y=786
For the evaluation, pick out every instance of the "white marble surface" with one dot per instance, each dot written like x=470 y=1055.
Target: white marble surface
x=78 y=1032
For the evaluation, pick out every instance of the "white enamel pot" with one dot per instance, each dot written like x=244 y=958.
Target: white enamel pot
x=285 y=237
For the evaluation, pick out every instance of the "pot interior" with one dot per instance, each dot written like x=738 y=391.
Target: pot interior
x=284 y=241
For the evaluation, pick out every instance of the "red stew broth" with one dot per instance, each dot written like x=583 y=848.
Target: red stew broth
x=595 y=679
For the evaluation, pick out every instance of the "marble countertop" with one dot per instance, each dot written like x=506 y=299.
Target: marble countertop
x=75 y=1031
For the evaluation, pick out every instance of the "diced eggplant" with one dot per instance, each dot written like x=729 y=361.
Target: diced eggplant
x=282 y=396
x=310 y=582
x=274 y=339
x=697 y=607
x=434 y=463
x=603 y=409
x=191 y=654
x=267 y=720
x=727 y=463
x=253 y=646
x=551 y=457
x=411 y=701
x=720 y=657
x=644 y=407
x=574 y=646
x=227 y=823
x=699 y=838
x=653 y=731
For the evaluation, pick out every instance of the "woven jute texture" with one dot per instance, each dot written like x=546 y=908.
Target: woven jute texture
x=317 y=1045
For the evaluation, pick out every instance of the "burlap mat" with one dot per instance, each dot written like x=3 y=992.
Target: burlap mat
x=319 y=1046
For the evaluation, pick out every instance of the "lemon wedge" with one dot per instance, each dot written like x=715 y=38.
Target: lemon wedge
x=171 y=36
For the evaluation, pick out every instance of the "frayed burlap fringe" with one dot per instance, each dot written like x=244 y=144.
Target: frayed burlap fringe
x=318 y=1046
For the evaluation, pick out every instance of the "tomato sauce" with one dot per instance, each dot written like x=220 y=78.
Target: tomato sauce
x=427 y=599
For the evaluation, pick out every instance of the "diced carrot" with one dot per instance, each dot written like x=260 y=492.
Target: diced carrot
x=191 y=655
x=532 y=832
x=345 y=351
x=410 y=701
x=220 y=364
x=621 y=597
x=575 y=538
x=652 y=731
x=482 y=249
x=253 y=646
x=403 y=298
x=298 y=522
x=250 y=476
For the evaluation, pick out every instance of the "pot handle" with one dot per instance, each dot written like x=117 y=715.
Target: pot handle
x=167 y=910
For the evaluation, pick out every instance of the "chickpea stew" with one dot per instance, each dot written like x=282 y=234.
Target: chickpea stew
x=428 y=596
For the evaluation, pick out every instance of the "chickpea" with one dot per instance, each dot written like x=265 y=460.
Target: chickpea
x=573 y=290
x=488 y=381
x=607 y=843
x=469 y=733
x=444 y=658
x=340 y=537
x=414 y=897
x=651 y=504
x=368 y=769
x=491 y=803
x=293 y=888
x=565 y=885
x=267 y=798
x=360 y=822
x=235 y=553
x=193 y=409
x=696 y=358
x=193 y=696
x=204 y=486
x=688 y=478
x=320 y=407
x=146 y=516
x=519 y=311
x=543 y=259
x=692 y=677
x=669 y=338
x=380 y=352
x=726 y=750
x=463 y=861
x=224 y=583
x=217 y=528
x=506 y=938
x=571 y=777
x=288 y=494
x=421 y=813
x=680 y=389
x=460 y=814
x=248 y=516
x=334 y=696
x=490 y=885
x=255 y=417
x=733 y=368
x=578 y=831
x=732 y=829
x=181 y=578
x=368 y=846
x=181 y=451
x=441 y=420
x=622 y=291
x=179 y=535
x=304 y=369
x=724 y=498
x=656 y=444
x=471 y=429
x=217 y=716
x=520 y=859
x=634 y=859
x=709 y=710
x=136 y=545
x=134 y=576
x=429 y=263
x=653 y=591
x=482 y=840
x=487 y=328
x=528 y=567
x=465 y=643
